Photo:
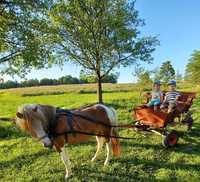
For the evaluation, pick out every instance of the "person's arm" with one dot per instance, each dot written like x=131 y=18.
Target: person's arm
x=161 y=97
x=165 y=97
x=178 y=96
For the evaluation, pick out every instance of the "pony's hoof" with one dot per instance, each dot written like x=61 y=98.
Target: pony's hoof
x=68 y=175
x=106 y=163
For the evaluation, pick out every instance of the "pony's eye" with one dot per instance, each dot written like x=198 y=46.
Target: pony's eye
x=35 y=109
x=19 y=115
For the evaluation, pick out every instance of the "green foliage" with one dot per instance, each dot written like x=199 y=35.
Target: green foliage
x=86 y=77
x=68 y=79
x=23 y=30
x=100 y=35
x=193 y=68
x=30 y=83
x=143 y=77
x=166 y=72
x=179 y=76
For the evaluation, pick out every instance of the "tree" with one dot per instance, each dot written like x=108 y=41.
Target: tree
x=166 y=72
x=29 y=83
x=46 y=81
x=193 y=67
x=23 y=29
x=143 y=76
x=68 y=79
x=111 y=78
x=86 y=77
x=179 y=76
x=99 y=35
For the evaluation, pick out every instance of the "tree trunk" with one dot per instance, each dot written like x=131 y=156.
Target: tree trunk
x=99 y=90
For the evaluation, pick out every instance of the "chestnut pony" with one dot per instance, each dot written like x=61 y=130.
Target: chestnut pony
x=36 y=119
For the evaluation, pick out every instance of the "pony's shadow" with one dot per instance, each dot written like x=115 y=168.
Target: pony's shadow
x=17 y=162
x=122 y=175
x=10 y=132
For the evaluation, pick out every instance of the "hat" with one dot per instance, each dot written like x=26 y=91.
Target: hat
x=157 y=82
x=172 y=82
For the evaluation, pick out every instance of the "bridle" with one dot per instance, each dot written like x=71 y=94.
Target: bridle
x=45 y=136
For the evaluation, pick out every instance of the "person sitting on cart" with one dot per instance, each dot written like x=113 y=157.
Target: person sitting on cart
x=156 y=96
x=171 y=97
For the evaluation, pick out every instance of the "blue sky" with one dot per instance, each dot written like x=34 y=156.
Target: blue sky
x=175 y=22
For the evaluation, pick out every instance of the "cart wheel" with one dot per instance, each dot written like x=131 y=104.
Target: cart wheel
x=170 y=139
x=189 y=123
x=138 y=125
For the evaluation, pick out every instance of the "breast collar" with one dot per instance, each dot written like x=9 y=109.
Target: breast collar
x=54 y=122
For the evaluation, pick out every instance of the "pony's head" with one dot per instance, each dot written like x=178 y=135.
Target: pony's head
x=31 y=119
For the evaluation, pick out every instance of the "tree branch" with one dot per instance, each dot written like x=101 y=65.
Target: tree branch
x=8 y=57
x=115 y=64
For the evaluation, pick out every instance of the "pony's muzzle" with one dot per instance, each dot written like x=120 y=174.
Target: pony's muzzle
x=48 y=146
x=47 y=143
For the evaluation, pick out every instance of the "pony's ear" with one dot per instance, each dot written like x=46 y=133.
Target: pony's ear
x=35 y=109
x=19 y=115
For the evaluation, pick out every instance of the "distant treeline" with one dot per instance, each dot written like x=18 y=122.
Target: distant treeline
x=68 y=79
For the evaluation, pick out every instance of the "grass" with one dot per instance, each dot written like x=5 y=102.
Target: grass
x=143 y=159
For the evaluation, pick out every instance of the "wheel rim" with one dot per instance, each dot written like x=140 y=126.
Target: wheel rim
x=172 y=140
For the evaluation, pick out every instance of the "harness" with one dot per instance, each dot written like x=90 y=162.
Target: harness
x=69 y=119
x=68 y=114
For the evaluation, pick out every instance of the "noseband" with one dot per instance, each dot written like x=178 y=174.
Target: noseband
x=45 y=136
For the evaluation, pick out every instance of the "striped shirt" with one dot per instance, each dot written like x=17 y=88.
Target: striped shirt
x=171 y=96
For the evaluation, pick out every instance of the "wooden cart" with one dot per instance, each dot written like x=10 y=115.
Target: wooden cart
x=157 y=121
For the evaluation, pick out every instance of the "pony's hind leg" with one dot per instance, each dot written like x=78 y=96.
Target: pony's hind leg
x=100 y=142
x=108 y=154
x=66 y=162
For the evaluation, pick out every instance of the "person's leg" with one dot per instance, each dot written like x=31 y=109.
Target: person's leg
x=164 y=105
x=156 y=104
x=151 y=103
x=171 y=107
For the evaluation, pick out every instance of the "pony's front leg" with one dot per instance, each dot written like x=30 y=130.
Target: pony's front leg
x=100 y=142
x=108 y=148
x=66 y=162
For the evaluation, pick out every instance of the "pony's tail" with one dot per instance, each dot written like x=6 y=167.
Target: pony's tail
x=115 y=143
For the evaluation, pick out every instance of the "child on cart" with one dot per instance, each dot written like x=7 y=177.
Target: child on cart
x=171 y=97
x=156 y=96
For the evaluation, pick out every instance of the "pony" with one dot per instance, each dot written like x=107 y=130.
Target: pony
x=54 y=128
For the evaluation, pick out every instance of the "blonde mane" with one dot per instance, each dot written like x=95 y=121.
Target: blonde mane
x=31 y=113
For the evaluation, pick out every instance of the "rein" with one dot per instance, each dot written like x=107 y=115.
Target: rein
x=92 y=134
x=92 y=120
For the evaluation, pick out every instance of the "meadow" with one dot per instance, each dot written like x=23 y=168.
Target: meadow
x=23 y=159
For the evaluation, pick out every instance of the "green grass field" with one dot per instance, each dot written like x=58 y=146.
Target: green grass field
x=22 y=158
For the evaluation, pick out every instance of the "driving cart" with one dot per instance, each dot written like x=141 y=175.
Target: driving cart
x=157 y=121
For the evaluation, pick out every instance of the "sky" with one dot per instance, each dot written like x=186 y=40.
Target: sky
x=175 y=22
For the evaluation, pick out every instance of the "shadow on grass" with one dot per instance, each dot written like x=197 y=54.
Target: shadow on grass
x=126 y=173
x=189 y=148
x=122 y=104
x=104 y=91
x=19 y=161
x=10 y=132
x=103 y=175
